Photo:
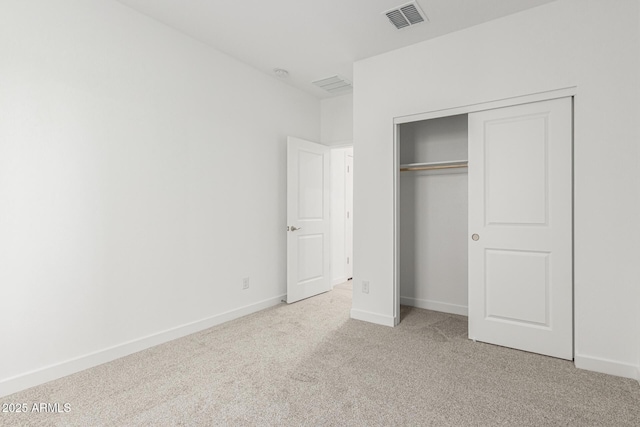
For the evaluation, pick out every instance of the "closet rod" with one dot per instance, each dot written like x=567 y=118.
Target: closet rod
x=427 y=168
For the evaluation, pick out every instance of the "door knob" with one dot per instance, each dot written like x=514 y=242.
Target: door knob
x=294 y=228
x=475 y=237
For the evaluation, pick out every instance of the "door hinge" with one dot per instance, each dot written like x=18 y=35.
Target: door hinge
x=347 y=260
x=347 y=214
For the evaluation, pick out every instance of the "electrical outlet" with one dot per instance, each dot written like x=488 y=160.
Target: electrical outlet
x=245 y=283
x=365 y=286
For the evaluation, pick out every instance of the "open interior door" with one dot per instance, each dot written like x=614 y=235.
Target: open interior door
x=520 y=221
x=308 y=222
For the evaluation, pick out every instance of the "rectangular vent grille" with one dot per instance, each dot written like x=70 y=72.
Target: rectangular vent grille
x=406 y=15
x=334 y=84
x=397 y=18
x=412 y=14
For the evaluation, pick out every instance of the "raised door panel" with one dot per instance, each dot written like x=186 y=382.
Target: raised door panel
x=516 y=170
x=310 y=187
x=310 y=258
x=517 y=286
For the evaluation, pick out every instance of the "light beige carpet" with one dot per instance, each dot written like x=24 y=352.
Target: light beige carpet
x=309 y=364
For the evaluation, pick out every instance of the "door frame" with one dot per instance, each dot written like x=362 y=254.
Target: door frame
x=349 y=222
x=466 y=109
x=346 y=240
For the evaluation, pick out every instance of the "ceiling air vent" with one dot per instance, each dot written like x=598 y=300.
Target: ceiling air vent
x=334 y=84
x=406 y=15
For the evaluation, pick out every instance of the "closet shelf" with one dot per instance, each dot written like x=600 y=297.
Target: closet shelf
x=451 y=164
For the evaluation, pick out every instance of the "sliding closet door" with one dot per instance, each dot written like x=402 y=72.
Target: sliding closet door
x=520 y=227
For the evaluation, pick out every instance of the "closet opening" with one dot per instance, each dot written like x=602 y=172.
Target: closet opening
x=432 y=214
x=492 y=240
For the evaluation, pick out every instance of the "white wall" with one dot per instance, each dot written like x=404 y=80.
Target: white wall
x=336 y=121
x=434 y=215
x=142 y=175
x=591 y=44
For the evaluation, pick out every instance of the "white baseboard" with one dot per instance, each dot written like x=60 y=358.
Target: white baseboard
x=367 y=316
x=606 y=366
x=339 y=280
x=435 y=305
x=52 y=372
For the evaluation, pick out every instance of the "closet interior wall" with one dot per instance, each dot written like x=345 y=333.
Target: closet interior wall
x=433 y=218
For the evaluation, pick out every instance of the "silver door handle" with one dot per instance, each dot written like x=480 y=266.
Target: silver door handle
x=293 y=228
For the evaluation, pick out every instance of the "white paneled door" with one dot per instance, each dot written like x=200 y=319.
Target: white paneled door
x=308 y=222
x=520 y=226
